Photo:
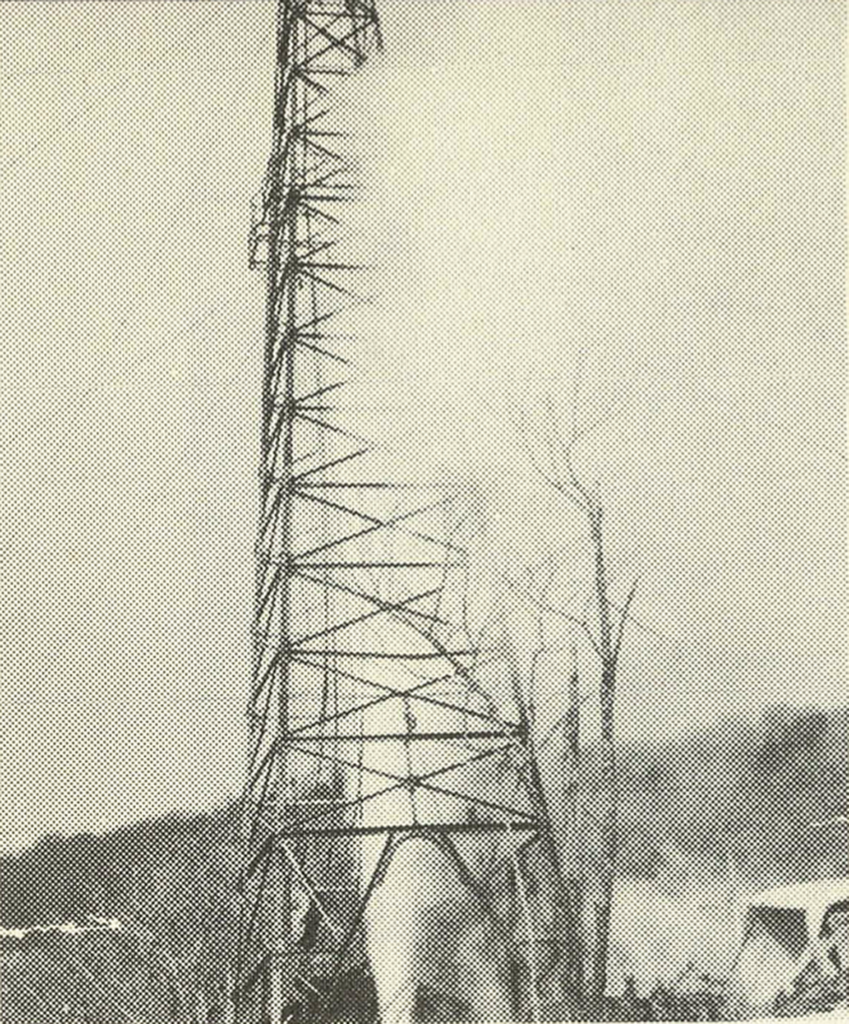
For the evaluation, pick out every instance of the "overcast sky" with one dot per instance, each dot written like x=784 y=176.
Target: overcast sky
x=651 y=189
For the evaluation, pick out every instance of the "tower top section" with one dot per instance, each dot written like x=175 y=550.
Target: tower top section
x=317 y=43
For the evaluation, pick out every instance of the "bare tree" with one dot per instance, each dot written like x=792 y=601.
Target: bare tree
x=602 y=625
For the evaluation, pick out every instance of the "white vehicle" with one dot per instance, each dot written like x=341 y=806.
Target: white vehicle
x=793 y=936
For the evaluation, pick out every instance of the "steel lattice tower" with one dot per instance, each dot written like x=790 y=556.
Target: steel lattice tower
x=367 y=721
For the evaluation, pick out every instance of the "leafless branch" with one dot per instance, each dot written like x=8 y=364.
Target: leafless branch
x=623 y=620
x=550 y=609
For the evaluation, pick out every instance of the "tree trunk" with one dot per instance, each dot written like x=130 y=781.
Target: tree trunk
x=572 y=803
x=608 y=782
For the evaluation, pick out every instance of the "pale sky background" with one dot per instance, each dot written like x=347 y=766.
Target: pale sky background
x=656 y=184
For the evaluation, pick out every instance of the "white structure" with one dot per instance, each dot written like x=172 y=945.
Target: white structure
x=786 y=931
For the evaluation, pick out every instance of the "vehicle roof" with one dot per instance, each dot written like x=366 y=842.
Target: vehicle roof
x=804 y=895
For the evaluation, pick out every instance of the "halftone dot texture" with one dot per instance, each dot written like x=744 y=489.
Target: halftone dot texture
x=602 y=237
